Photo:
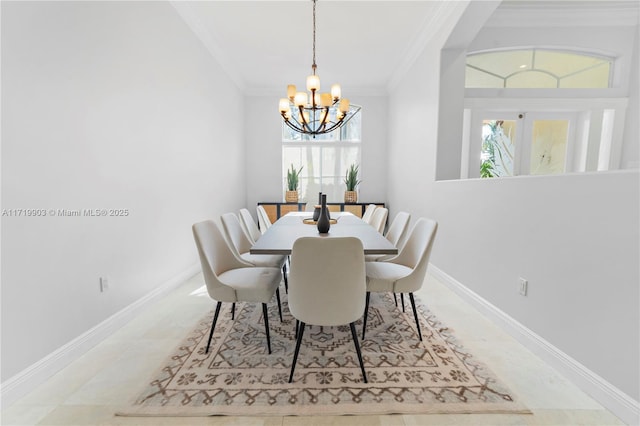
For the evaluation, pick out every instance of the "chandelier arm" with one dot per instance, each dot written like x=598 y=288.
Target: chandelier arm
x=302 y=121
x=293 y=127
x=304 y=126
x=332 y=128
x=290 y=122
x=324 y=116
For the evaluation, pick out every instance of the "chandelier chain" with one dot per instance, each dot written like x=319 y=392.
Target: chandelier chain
x=314 y=66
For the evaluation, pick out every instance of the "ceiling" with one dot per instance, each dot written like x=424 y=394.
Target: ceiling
x=363 y=45
x=266 y=45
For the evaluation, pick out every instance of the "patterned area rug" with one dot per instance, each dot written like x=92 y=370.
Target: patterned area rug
x=239 y=377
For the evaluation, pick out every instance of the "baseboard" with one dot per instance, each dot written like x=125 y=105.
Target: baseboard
x=612 y=398
x=28 y=379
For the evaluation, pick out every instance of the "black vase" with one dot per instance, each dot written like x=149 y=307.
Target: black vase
x=316 y=210
x=324 y=219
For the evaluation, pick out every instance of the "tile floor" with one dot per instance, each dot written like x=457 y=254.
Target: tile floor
x=89 y=391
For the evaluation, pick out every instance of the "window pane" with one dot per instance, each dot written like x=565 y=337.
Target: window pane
x=498 y=143
x=548 y=146
x=307 y=157
x=502 y=63
x=564 y=63
x=351 y=130
x=325 y=159
x=324 y=167
x=530 y=79
x=592 y=78
x=537 y=68
x=335 y=162
x=479 y=79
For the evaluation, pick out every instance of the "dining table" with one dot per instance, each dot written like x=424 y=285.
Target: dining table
x=280 y=236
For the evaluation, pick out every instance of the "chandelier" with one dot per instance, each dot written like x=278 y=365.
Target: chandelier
x=315 y=113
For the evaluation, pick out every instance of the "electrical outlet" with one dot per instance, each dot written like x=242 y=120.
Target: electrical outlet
x=522 y=286
x=104 y=284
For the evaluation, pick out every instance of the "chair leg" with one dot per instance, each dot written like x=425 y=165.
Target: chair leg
x=395 y=299
x=415 y=315
x=284 y=275
x=402 y=300
x=279 y=304
x=295 y=354
x=266 y=325
x=355 y=340
x=297 y=327
x=233 y=311
x=366 y=311
x=213 y=326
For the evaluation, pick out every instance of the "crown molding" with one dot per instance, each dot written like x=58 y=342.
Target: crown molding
x=565 y=14
x=430 y=28
x=209 y=40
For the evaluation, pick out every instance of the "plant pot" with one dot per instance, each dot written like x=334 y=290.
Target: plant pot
x=291 y=196
x=350 y=196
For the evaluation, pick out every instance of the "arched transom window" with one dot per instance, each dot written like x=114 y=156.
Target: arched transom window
x=537 y=68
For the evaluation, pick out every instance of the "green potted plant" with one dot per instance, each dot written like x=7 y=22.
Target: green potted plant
x=352 y=182
x=293 y=179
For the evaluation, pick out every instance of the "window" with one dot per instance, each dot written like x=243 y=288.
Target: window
x=537 y=68
x=511 y=144
x=510 y=132
x=324 y=159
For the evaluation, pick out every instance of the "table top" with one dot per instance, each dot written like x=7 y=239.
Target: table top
x=280 y=236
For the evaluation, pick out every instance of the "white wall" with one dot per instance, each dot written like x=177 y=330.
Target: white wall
x=105 y=105
x=263 y=137
x=631 y=147
x=574 y=237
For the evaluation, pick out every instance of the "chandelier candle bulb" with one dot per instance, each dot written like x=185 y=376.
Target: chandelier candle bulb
x=335 y=92
x=284 y=105
x=325 y=99
x=300 y=99
x=313 y=83
x=291 y=91
x=344 y=105
x=305 y=117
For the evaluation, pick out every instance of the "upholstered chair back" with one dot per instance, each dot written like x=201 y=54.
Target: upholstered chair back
x=327 y=280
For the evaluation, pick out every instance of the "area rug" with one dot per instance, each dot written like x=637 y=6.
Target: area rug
x=238 y=376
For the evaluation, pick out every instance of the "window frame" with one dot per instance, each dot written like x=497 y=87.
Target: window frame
x=533 y=50
x=322 y=144
x=585 y=144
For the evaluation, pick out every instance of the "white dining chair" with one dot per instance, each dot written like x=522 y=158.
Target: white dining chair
x=241 y=245
x=263 y=219
x=395 y=234
x=406 y=272
x=249 y=225
x=368 y=213
x=327 y=286
x=379 y=219
x=231 y=280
